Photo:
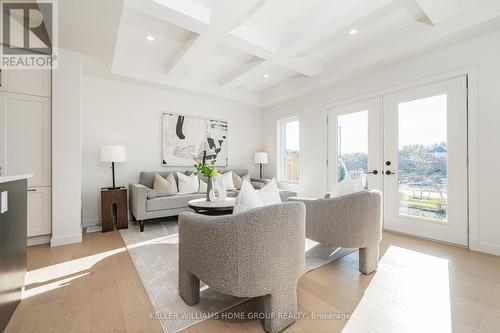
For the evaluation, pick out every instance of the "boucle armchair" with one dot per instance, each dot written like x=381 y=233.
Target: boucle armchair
x=255 y=253
x=351 y=221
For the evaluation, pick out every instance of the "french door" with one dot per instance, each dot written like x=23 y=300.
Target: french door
x=417 y=146
x=354 y=143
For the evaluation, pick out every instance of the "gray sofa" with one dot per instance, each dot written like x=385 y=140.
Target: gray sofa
x=144 y=208
x=259 y=252
x=351 y=221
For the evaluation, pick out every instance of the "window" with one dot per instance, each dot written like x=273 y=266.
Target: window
x=288 y=150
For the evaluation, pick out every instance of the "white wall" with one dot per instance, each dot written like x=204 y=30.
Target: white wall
x=483 y=53
x=114 y=112
x=66 y=150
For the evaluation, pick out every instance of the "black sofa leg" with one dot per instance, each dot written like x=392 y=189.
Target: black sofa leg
x=141 y=225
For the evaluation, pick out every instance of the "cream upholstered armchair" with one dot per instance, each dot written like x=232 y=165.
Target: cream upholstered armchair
x=351 y=221
x=259 y=252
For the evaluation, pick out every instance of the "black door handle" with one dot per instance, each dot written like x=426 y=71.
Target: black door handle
x=389 y=172
x=374 y=172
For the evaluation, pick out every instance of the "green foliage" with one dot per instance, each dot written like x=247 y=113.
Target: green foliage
x=355 y=161
x=341 y=170
x=206 y=169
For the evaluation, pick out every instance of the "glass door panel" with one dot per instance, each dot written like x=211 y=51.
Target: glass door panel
x=353 y=146
x=354 y=143
x=425 y=161
x=422 y=165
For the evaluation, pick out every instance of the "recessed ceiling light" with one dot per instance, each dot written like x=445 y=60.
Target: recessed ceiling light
x=150 y=38
x=353 y=32
x=267 y=76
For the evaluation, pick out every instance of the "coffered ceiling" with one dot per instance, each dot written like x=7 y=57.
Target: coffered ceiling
x=262 y=51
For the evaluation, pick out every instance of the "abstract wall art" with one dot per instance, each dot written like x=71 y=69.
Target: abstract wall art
x=184 y=138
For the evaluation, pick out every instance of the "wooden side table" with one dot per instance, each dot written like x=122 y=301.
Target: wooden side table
x=111 y=198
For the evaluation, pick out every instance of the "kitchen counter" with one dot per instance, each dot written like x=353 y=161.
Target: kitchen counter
x=5 y=179
x=13 y=243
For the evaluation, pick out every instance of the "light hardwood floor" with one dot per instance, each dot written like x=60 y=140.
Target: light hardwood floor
x=94 y=287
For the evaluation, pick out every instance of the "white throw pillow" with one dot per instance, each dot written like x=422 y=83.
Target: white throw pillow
x=238 y=181
x=203 y=187
x=247 y=199
x=269 y=194
x=346 y=186
x=164 y=186
x=228 y=180
x=188 y=184
x=357 y=184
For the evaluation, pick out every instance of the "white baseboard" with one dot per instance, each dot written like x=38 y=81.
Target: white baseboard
x=37 y=240
x=486 y=248
x=66 y=239
x=91 y=222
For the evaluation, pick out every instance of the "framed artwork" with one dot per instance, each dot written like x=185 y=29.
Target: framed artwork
x=185 y=138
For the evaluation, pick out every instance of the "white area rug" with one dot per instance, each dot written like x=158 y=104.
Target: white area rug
x=154 y=253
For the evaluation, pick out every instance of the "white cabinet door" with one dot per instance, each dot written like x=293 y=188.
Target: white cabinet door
x=25 y=126
x=30 y=82
x=39 y=211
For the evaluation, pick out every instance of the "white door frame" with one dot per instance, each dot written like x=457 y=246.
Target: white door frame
x=454 y=228
x=472 y=137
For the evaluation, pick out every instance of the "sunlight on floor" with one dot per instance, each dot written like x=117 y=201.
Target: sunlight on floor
x=169 y=239
x=51 y=286
x=410 y=292
x=62 y=273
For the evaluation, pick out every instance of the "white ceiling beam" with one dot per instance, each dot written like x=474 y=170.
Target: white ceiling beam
x=188 y=8
x=345 y=15
x=189 y=56
x=161 y=12
x=307 y=66
x=253 y=37
x=339 y=16
x=196 y=49
x=438 y=11
x=244 y=73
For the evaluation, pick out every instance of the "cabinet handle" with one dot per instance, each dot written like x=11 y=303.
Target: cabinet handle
x=32 y=190
x=0 y=77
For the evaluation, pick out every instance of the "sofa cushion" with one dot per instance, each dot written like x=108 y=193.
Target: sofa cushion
x=227 y=177
x=146 y=178
x=269 y=194
x=171 y=202
x=164 y=186
x=247 y=199
x=238 y=181
x=188 y=184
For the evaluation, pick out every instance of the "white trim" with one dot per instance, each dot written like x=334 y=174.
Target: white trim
x=403 y=86
x=67 y=239
x=37 y=240
x=473 y=167
x=91 y=222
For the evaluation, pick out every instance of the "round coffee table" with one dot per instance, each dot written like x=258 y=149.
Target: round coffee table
x=217 y=207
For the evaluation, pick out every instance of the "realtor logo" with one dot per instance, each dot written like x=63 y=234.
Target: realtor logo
x=29 y=34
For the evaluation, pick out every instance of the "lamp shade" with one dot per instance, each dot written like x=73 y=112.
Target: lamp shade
x=113 y=153
x=261 y=158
